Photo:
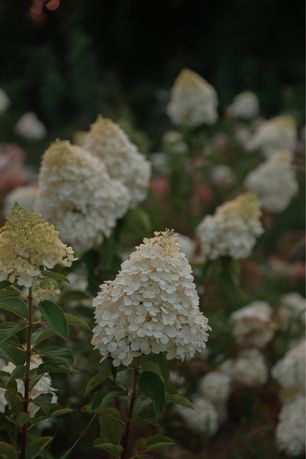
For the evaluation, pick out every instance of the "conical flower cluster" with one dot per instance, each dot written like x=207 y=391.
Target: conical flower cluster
x=28 y=244
x=152 y=306
x=233 y=230
x=193 y=101
x=123 y=162
x=77 y=195
x=245 y=106
x=276 y=134
x=274 y=182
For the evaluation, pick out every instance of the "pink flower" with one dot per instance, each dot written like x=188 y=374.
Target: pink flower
x=204 y=194
x=160 y=186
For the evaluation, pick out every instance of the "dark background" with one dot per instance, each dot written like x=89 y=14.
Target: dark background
x=121 y=56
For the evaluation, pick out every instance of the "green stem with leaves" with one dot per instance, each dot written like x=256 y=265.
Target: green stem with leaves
x=26 y=378
x=128 y=424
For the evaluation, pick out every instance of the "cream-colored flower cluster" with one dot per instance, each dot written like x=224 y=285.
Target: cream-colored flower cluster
x=77 y=195
x=123 y=162
x=248 y=368
x=152 y=306
x=45 y=289
x=222 y=176
x=193 y=101
x=274 y=182
x=203 y=419
x=42 y=386
x=244 y=106
x=28 y=244
x=276 y=134
x=25 y=196
x=292 y=310
x=233 y=230
x=290 y=370
x=253 y=324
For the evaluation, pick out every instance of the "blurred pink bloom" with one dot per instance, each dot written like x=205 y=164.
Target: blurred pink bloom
x=30 y=127
x=13 y=173
x=160 y=186
x=204 y=194
x=10 y=155
x=220 y=140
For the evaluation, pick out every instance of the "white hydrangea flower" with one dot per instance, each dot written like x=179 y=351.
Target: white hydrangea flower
x=203 y=418
x=290 y=431
x=250 y=368
x=187 y=245
x=152 y=306
x=245 y=106
x=215 y=386
x=123 y=162
x=25 y=196
x=4 y=102
x=222 y=176
x=193 y=101
x=43 y=386
x=30 y=127
x=274 y=182
x=253 y=324
x=290 y=370
x=276 y=134
x=77 y=195
x=292 y=307
x=232 y=230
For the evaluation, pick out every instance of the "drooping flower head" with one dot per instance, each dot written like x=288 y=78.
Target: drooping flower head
x=276 y=134
x=274 y=182
x=233 y=229
x=78 y=196
x=193 y=101
x=123 y=162
x=28 y=244
x=152 y=306
x=245 y=106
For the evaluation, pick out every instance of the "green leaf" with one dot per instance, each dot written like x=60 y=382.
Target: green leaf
x=14 y=400
x=22 y=418
x=44 y=402
x=111 y=424
x=58 y=277
x=7 y=451
x=76 y=321
x=41 y=335
x=15 y=306
x=58 y=355
x=12 y=353
x=55 y=318
x=98 y=379
x=153 y=387
x=36 y=447
x=58 y=411
x=179 y=400
x=157 y=442
x=114 y=450
x=9 y=329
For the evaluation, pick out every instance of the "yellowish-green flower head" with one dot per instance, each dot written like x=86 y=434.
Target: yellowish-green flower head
x=28 y=245
x=245 y=206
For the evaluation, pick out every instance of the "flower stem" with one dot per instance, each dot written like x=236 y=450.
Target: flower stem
x=26 y=378
x=126 y=434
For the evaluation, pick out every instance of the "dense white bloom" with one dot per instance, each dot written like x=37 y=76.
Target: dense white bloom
x=193 y=101
x=273 y=135
x=223 y=176
x=215 y=386
x=77 y=195
x=274 y=182
x=25 y=196
x=292 y=308
x=30 y=127
x=187 y=245
x=253 y=324
x=203 y=418
x=28 y=245
x=245 y=106
x=232 y=230
x=290 y=431
x=4 y=102
x=123 y=162
x=250 y=368
x=43 y=386
x=151 y=306
x=290 y=370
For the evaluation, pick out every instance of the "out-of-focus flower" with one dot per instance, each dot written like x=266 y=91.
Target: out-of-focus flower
x=220 y=140
x=160 y=161
x=45 y=289
x=215 y=386
x=223 y=176
x=187 y=245
x=204 y=194
x=77 y=195
x=250 y=368
x=151 y=306
x=273 y=135
x=42 y=386
x=13 y=173
x=160 y=186
x=290 y=370
x=172 y=137
x=253 y=324
x=193 y=101
x=233 y=230
x=292 y=308
x=25 y=196
x=29 y=244
x=4 y=102
x=242 y=135
x=30 y=127
x=202 y=419
x=108 y=142
x=290 y=431
x=244 y=106
x=274 y=182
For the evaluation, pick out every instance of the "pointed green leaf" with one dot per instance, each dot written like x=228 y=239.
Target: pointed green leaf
x=153 y=387
x=55 y=318
x=7 y=451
